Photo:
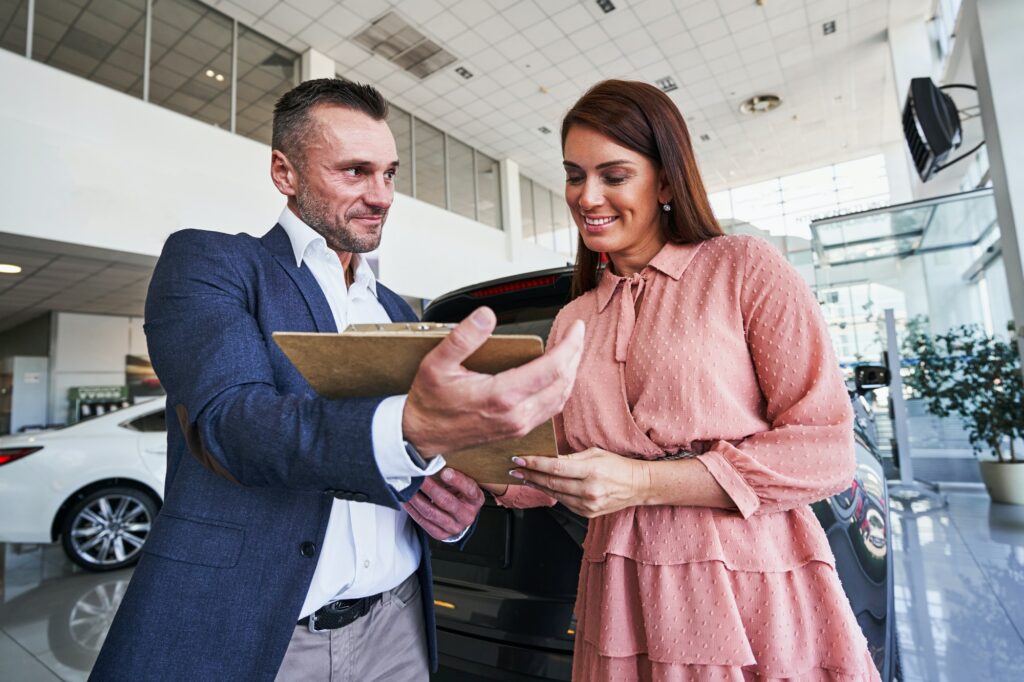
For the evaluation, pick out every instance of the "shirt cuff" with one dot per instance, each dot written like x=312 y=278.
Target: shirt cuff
x=456 y=538
x=393 y=460
x=732 y=482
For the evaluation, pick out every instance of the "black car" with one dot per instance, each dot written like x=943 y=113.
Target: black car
x=505 y=603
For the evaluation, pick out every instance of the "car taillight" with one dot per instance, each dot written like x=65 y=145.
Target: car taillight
x=534 y=283
x=8 y=455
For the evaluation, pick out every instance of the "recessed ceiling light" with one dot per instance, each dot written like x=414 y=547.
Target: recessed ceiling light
x=9 y=269
x=829 y=27
x=667 y=84
x=605 y=5
x=760 y=104
x=210 y=73
x=219 y=78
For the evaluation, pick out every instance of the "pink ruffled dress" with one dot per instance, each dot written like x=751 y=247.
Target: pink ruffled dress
x=726 y=358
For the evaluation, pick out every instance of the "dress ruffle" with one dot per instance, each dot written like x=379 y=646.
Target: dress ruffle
x=590 y=665
x=702 y=621
x=670 y=535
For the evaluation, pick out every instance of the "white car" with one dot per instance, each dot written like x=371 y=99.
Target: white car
x=96 y=485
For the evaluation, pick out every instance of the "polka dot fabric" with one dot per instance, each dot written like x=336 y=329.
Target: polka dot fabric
x=715 y=350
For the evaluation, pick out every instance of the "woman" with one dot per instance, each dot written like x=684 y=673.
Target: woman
x=708 y=411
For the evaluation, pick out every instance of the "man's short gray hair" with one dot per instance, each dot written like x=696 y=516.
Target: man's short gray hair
x=292 y=123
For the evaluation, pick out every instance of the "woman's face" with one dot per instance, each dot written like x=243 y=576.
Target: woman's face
x=614 y=194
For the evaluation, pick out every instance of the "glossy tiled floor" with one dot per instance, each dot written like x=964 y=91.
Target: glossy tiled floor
x=959 y=600
x=960 y=592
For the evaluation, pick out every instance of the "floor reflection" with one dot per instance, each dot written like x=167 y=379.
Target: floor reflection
x=960 y=591
x=55 y=613
x=959 y=600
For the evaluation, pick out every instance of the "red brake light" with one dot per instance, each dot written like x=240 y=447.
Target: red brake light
x=8 y=455
x=534 y=283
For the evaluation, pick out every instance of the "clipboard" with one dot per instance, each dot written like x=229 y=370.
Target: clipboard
x=369 y=360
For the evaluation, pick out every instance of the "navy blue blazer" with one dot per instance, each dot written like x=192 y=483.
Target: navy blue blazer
x=253 y=466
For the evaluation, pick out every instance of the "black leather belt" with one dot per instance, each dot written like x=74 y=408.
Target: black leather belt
x=339 y=613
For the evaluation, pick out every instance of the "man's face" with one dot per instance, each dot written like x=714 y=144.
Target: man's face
x=345 y=178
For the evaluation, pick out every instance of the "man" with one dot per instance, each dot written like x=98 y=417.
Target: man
x=292 y=543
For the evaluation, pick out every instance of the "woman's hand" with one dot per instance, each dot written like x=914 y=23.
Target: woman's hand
x=591 y=483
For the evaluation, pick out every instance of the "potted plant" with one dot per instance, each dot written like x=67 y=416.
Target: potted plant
x=966 y=372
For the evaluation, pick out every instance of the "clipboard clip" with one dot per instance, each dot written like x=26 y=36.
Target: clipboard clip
x=401 y=327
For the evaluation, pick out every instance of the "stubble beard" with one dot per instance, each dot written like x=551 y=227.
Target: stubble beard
x=339 y=235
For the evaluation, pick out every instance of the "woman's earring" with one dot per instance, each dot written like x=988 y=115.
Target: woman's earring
x=666 y=207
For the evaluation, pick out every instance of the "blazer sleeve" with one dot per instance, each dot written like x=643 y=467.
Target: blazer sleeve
x=808 y=452
x=214 y=362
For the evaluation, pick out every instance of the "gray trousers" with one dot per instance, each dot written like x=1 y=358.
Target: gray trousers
x=389 y=643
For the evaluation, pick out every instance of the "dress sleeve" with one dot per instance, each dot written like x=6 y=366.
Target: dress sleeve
x=808 y=452
x=524 y=497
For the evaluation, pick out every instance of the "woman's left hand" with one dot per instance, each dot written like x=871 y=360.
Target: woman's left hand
x=591 y=483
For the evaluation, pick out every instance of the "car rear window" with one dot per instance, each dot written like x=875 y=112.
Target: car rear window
x=533 y=320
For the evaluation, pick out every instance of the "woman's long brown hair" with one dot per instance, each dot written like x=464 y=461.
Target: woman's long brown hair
x=642 y=118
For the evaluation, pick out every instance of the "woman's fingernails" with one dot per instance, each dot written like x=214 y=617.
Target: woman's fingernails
x=519 y=461
x=446 y=475
x=515 y=473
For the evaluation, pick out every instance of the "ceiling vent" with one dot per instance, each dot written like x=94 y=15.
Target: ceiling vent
x=605 y=5
x=394 y=39
x=761 y=104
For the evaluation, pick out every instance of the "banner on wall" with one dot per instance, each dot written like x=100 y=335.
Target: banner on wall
x=140 y=378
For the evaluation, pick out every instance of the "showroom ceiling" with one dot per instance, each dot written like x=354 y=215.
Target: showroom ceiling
x=69 y=278
x=530 y=60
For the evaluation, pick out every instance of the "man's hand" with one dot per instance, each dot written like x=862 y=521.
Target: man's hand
x=450 y=408
x=446 y=507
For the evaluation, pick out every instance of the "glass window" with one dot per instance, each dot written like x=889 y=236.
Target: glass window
x=191 y=61
x=460 y=178
x=429 y=164
x=102 y=40
x=564 y=233
x=13 y=25
x=266 y=71
x=526 y=208
x=150 y=423
x=542 y=216
x=400 y=123
x=488 y=191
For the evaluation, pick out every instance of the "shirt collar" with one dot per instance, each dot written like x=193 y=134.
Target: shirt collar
x=303 y=237
x=672 y=260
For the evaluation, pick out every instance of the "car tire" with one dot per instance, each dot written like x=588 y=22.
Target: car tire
x=106 y=529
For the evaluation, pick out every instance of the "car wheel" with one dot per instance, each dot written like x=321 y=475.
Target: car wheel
x=105 y=531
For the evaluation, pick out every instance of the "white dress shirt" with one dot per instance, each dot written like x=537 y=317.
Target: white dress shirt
x=367 y=548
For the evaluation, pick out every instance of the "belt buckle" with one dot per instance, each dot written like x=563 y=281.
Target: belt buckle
x=311 y=623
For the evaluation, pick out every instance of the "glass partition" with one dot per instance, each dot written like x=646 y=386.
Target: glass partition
x=462 y=194
x=488 y=191
x=429 y=151
x=191 y=61
x=13 y=25
x=102 y=40
x=266 y=71
x=400 y=123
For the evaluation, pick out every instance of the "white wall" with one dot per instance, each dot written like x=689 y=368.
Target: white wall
x=88 y=165
x=89 y=350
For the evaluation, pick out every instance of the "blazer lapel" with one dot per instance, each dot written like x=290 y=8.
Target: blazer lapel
x=277 y=243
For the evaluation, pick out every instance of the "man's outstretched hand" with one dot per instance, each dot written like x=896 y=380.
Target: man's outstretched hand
x=446 y=504
x=450 y=407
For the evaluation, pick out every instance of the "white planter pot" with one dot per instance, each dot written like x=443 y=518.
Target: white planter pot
x=1004 y=480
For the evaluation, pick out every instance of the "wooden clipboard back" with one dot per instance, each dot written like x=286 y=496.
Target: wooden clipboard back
x=373 y=360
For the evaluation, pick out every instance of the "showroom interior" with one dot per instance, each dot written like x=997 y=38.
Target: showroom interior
x=124 y=121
